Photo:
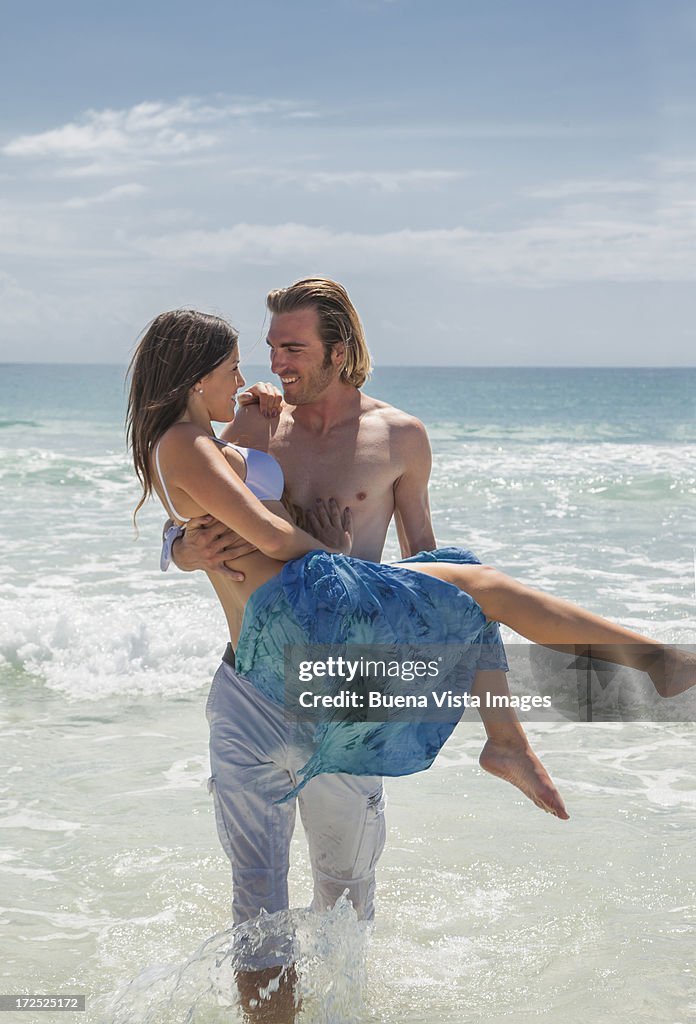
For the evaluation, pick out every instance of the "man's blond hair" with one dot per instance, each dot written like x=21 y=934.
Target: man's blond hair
x=339 y=322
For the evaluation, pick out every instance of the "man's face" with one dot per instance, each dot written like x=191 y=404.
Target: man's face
x=298 y=356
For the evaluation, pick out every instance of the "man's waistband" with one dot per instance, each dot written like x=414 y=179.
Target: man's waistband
x=228 y=656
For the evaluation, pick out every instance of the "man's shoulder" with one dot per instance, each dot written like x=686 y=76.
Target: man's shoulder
x=397 y=421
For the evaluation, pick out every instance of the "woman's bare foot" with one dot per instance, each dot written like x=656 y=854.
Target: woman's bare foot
x=673 y=671
x=517 y=763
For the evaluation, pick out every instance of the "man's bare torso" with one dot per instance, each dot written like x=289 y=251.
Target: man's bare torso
x=358 y=461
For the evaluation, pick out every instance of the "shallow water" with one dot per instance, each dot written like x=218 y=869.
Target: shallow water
x=113 y=882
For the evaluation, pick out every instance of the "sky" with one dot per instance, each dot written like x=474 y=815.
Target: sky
x=496 y=182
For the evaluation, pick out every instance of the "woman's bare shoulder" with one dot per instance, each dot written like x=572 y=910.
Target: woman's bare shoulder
x=180 y=436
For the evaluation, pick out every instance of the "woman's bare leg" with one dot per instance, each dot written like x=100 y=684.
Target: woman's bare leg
x=553 y=622
x=507 y=752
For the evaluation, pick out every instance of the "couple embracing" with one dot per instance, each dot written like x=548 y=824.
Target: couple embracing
x=301 y=498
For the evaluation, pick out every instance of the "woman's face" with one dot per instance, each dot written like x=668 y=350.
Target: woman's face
x=221 y=386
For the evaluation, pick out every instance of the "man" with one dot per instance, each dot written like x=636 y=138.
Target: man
x=331 y=441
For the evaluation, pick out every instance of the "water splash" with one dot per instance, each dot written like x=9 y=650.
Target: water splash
x=327 y=951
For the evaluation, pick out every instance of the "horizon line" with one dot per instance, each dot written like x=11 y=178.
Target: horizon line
x=432 y=366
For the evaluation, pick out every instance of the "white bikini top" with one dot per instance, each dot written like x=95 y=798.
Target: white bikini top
x=264 y=477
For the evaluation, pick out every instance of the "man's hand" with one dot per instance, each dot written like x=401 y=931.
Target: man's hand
x=208 y=545
x=268 y=396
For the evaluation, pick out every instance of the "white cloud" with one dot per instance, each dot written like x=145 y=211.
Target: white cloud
x=383 y=181
x=17 y=304
x=129 y=191
x=492 y=130
x=164 y=128
x=324 y=181
x=541 y=254
x=149 y=129
x=587 y=187
x=673 y=166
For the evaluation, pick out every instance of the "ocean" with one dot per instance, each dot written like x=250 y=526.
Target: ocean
x=579 y=481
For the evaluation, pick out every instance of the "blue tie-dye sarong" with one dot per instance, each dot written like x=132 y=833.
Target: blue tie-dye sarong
x=337 y=600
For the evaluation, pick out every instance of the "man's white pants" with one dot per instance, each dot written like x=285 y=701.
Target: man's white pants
x=255 y=753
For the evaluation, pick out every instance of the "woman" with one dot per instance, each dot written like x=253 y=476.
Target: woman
x=299 y=590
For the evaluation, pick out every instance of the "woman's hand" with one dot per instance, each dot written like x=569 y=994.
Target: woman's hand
x=327 y=523
x=269 y=398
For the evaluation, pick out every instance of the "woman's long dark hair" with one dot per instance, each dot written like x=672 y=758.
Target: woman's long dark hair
x=176 y=351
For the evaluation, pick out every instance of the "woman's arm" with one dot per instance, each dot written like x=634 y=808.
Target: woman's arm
x=192 y=463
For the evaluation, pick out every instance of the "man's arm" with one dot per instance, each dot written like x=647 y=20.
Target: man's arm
x=411 y=502
x=209 y=545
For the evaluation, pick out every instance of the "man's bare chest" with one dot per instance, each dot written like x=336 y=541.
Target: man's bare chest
x=360 y=473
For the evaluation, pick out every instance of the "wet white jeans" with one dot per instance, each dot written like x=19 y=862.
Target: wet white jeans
x=255 y=753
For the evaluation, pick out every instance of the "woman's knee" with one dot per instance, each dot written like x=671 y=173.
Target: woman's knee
x=493 y=590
